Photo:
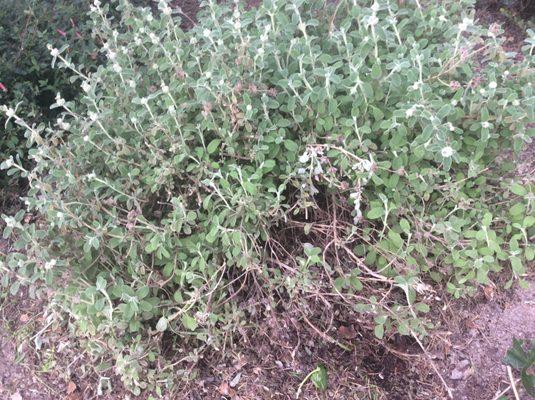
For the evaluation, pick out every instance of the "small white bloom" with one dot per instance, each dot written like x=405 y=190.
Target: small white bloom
x=482 y=91
x=485 y=124
x=516 y=103
x=366 y=165
x=50 y=264
x=237 y=25
x=442 y=18
x=304 y=158
x=318 y=169
x=208 y=74
x=375 y=7
x=137 y=41
x=149 y=17
x=249 y=107
x=410 y=112
x=91 y=176
x=96 y=3
x=60 y=101
x=261 y=51
x=167 y=10
x=144 y=101
x=301 y=171
x=86 y=87
x=112 y=55
x=446 y=152
x=454 y=103
x=86 y=138
x=155 y=66
x=493 y=85
x=451 y=127
x=92 y=116
x=165 y=88
x=54 y=52
x=506 y=73
x=9 y=112
x=9 y=162
x=117 y=68
x=132 y=84
x=171 y=109
x=154 y=39
x=373 y=20
x=207 y=33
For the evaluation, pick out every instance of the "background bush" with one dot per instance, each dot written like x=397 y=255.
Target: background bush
x=286 y=154
x=26 y=26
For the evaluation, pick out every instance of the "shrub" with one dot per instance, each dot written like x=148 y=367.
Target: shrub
x=294 y=151
x=25 y=71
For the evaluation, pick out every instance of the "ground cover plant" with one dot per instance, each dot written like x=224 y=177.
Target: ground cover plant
x=300 y=155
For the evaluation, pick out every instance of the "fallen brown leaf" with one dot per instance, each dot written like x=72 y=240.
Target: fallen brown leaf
x=71 y=387
x=226 y=390
x=347 y=332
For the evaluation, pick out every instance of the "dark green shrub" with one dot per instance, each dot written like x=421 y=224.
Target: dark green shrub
x=26 y=75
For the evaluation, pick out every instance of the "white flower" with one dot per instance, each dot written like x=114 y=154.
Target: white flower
x=373 y=20
x=165 y=88
x=208 y=74
x=10 y=222
x=442 y=18
x=454 y=103
x=117 y=68
x=112 y=55
x=506 y=73
x=261 y=51
x=60 y=101
x=9 y=112
x=154 y=39
x=167 y=10
x=249 y=107
x=485 y=124
x=318 y=169
x=92 y=116
x=54 y=52
x=9 y=162
x=155 y=66
x=144 y=101
x=50 y=264
x=410 y=112
x=301 y=171
x=304 y=158
x=132 y=84
x=237 y=24
x=493 y=85
x=137 y=41
x=207 y=33
x=86 y=87
x=465 y=24
x=86 y=138
x=446 y=152
x=91 y=176
x=171 y=109
x=149 y=17
x=366 y=165
x=375 y=7
x=96 y=3
x=516 y=103
x=451 y=127
x=482 y=91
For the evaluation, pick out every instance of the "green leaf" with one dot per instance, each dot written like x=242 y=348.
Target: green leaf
x=189 y=323
x=376 y=71
x=162 y=324
x=319 y=378
x=291 y=145
x=518 y=189
x=379 y=331
x=405 y=226
x=213 y=145
x=375 y=213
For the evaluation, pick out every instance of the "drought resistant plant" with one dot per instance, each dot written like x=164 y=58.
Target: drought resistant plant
x=297 y=151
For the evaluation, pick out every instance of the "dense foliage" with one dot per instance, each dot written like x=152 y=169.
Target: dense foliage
x=26 y=76
x=203 y=167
